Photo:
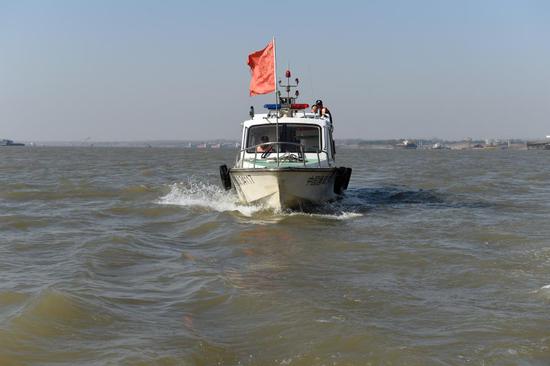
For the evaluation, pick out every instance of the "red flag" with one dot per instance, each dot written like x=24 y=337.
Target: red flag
x=262 y=68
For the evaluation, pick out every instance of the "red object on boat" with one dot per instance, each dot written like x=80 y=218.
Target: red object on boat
x=299 y=106
x=287 y=73
x=262 y=67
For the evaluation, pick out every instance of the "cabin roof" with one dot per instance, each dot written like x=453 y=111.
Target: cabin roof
x=302 y=118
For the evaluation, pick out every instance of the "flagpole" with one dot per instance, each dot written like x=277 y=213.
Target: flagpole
x=276 y=99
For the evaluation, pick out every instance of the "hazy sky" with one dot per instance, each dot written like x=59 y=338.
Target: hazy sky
x=135 y=70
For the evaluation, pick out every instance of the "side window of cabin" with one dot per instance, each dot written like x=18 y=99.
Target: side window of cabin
x=332 y=144
x=243 y=139
x=307 y=136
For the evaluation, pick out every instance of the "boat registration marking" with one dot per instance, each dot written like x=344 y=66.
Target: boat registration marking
x=244 y=179
x=318 y=180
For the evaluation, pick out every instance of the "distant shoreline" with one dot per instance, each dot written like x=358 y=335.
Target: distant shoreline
x=423 y=144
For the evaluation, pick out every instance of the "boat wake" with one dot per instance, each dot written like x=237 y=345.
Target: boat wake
x=358 y=201
x=355 y=202
x=212 y=197
x=370 y=198
x=328 y=214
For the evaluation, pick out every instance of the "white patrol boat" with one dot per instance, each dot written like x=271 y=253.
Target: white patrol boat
x=287 y=158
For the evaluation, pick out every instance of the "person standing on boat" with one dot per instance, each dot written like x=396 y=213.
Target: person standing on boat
x=319 y=108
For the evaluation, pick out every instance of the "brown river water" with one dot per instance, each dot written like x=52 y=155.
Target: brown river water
x=135 y=256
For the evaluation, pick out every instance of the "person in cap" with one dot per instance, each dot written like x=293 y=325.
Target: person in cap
x=323 y=111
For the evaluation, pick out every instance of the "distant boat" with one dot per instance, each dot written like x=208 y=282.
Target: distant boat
x=438 y=146
x=406 y=144
x=201 y=146
x=215 y=146
x=6 y=142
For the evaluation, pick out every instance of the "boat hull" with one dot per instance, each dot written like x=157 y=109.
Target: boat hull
x=284 y=188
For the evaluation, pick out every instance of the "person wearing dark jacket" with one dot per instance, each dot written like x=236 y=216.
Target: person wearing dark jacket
x=323 y=111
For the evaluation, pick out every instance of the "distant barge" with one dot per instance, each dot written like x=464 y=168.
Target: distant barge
x=539 y=145
x=10 y=143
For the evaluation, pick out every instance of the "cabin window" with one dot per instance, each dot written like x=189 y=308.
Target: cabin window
x=332 y=144
x=290 y=137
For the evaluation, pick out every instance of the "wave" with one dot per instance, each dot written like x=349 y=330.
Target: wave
x=336 y=215
x=199 y=194
x=212 y=197
x=41 y=322
x=75 y=191
x=51 y=314
x=20 y=222
x=544 y=292
x=356 y=202
x=392 y=196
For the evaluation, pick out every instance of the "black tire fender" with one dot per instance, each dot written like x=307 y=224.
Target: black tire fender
x=226 y=179
x=339 y=180
x=347 y=176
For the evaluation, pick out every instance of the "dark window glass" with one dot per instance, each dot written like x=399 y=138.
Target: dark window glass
x=290 y=137
x=332 y=144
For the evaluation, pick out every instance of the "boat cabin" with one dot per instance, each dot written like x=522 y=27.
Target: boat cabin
x=286 y=136
x=295 y=139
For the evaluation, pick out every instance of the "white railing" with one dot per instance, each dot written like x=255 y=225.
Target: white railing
x=281 y=157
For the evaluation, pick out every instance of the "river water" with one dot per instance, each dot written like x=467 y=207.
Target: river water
x=135 y=256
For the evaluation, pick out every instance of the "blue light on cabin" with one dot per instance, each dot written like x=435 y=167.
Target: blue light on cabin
x=272 y=107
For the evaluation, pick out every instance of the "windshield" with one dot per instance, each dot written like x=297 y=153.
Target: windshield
x=290 y=135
